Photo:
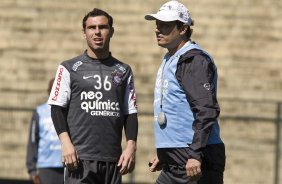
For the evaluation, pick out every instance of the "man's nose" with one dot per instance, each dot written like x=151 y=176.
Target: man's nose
x=97 y=30
x=157 y=29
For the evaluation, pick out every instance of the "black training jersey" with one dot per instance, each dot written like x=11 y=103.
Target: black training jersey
x=97 y=94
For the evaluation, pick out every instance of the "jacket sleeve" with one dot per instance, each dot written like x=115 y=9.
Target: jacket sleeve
x=32 y=145
x=197 y=78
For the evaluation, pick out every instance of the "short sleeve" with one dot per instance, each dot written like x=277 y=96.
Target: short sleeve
x=130 y=101
x=60 y=93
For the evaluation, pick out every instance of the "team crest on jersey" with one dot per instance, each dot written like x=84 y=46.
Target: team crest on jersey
x=117 y=77
x=76 y=65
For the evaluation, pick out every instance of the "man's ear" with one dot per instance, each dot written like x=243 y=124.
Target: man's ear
x=184 y=29
x=112 y=31
x=83 y=33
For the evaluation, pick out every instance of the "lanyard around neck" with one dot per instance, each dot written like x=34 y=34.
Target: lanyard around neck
x=162 y=79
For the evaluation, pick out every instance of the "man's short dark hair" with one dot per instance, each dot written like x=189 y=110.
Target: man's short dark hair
x=189 y=30
x=94 y=13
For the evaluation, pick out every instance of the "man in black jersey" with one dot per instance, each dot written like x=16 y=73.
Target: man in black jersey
x=93 y=98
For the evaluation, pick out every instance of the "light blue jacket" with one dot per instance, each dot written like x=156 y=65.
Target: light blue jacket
x=44 y=148
x=178 y=131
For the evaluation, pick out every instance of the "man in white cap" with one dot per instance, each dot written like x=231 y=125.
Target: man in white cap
x=187 y=134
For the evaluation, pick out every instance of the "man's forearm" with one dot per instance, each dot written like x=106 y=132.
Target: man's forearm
x=131 y=144
x=131 y=127
x=59 y=119
x=64 y=137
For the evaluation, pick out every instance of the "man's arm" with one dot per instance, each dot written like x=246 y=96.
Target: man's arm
x=197 y=79
x=131 y=127
x=32 y=146
x=127 y=159
x=59 y=119
x=69 y=155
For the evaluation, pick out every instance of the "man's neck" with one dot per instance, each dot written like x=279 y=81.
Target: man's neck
x=172 y=51
x=97 y=54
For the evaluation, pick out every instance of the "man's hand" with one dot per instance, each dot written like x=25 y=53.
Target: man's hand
x=193 y=169
x=35 y=179
x=69 y=155
x=127 y=158
x=154 y=164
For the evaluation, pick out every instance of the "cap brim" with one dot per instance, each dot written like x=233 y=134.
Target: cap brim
x=150 y=17
x=161 y=17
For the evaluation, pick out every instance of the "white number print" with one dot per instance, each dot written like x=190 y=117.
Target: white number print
x=107 y=84
x=99 y=83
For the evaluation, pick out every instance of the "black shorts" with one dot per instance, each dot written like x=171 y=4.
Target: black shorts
x=94 y=172
x=51 y=175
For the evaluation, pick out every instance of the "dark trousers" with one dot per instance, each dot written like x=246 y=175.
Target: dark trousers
x=177 y=176
x=213 y=163
x=51 y=175
x=94 y=172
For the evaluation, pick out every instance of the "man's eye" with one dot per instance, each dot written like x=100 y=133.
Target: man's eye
x=104 y=27
x=92 y=27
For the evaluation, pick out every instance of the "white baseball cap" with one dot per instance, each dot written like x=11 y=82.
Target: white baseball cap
x=172 y=11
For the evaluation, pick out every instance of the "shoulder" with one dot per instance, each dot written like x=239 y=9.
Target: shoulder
x=194 y=62
x=196 y=59
x=119 y=62
x=120 y=65
x=195 y=55
x=74 y=63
